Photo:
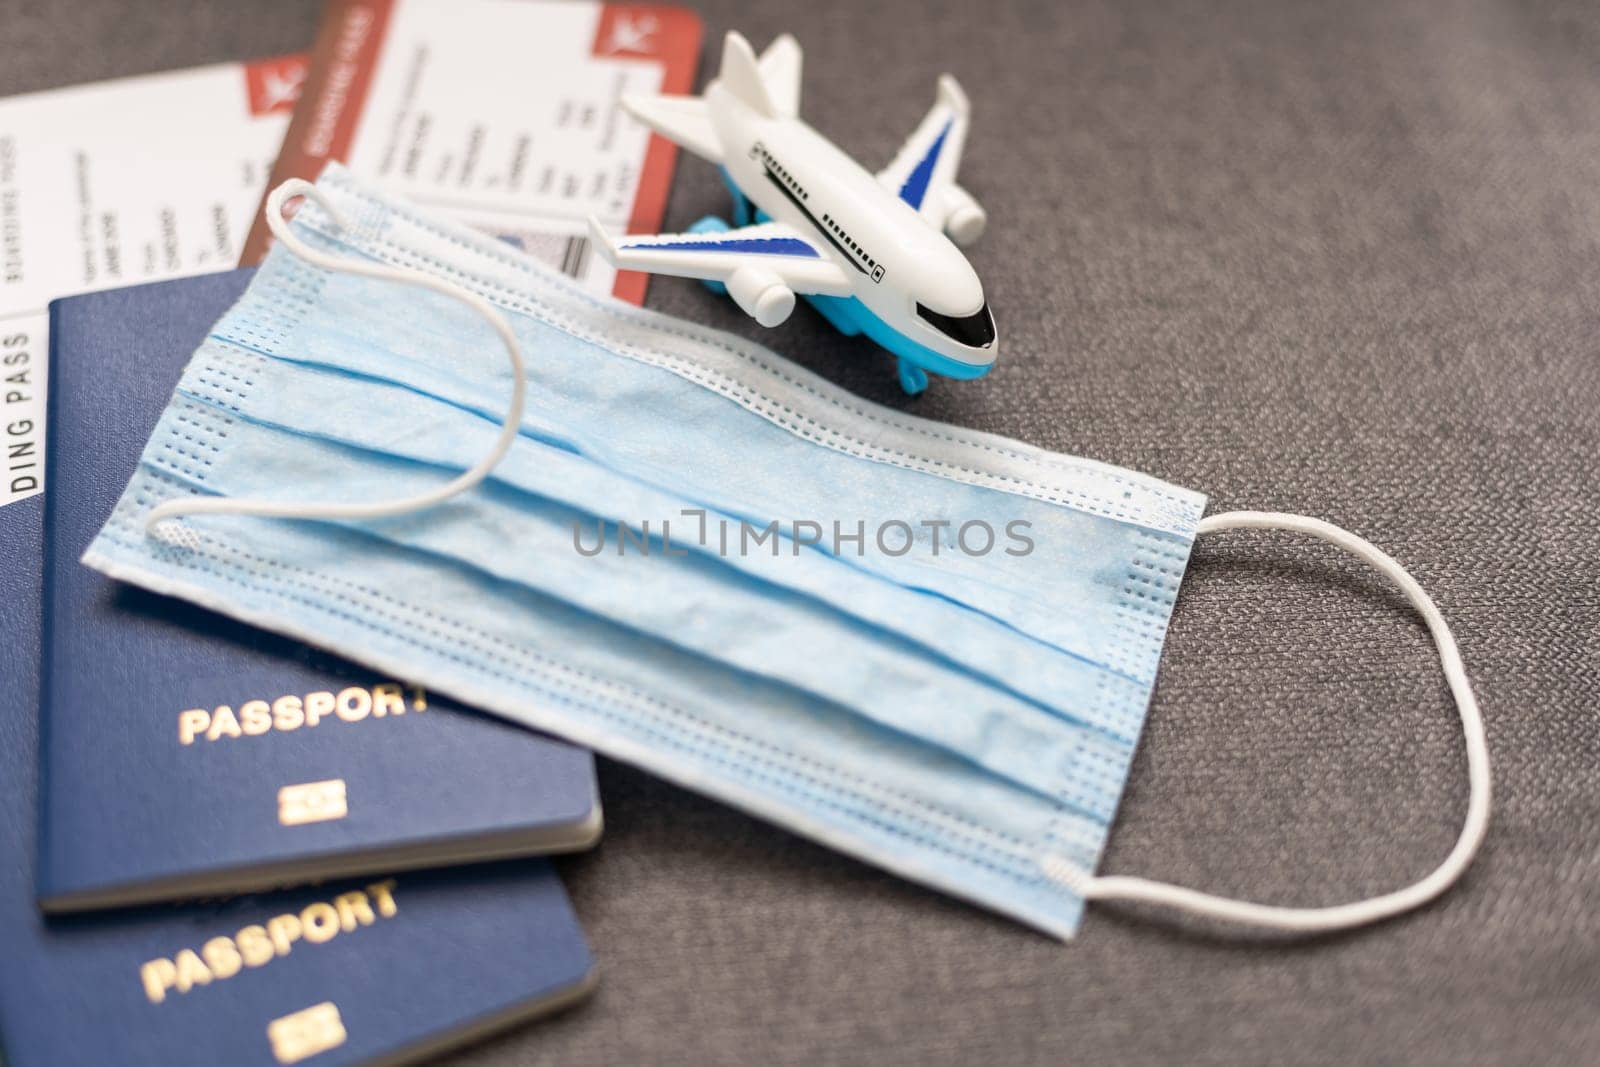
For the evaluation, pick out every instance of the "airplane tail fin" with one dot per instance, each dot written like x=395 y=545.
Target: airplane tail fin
x=780 y=73
x=770 y=85
x=741 y=75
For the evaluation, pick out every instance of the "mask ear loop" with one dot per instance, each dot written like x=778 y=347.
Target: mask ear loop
x=1341 y=916
x=310 y=509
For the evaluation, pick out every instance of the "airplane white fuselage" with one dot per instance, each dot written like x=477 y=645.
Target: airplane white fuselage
x=895 y=258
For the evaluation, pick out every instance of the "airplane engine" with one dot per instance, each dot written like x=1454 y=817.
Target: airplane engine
x=761 y=294
x=964 y=218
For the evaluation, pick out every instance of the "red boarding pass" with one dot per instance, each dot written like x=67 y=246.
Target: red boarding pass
x=503 y=114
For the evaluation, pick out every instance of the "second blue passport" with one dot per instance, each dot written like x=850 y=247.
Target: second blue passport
x=187 y=754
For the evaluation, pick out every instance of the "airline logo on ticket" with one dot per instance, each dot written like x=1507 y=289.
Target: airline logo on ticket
x=505 y=116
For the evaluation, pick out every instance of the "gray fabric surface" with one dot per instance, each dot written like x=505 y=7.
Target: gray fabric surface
x=1341 y=259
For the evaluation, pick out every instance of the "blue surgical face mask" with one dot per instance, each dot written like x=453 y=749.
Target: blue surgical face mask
x=925 y=646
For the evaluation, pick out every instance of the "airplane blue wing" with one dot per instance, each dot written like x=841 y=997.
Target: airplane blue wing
x=772 y=247
x=923 y=174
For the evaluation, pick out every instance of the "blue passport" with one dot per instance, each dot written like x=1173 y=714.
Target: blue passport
x=379 y=969
x=185 y=754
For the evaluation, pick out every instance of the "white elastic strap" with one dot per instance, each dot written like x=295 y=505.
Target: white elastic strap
x=311 y=509
x=1365 y=911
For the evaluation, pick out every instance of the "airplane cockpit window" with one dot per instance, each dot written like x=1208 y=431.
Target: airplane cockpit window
x=974 y=331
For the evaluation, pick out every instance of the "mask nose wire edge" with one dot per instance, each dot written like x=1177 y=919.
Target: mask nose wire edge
x=1358 y=913
x=156 y=522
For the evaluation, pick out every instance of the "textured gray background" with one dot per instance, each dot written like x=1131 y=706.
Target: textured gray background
x=1334 y=258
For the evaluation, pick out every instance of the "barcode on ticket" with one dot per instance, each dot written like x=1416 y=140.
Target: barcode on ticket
x=571 y=255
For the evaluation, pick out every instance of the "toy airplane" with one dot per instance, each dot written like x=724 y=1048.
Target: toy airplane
x=869 y=252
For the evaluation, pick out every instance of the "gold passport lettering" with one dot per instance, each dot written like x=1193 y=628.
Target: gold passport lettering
x=306 y=1032
x=257 y=945
x=291 y=712
x=312 y=802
